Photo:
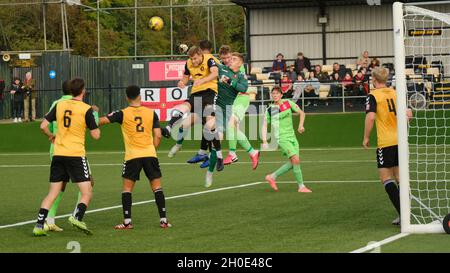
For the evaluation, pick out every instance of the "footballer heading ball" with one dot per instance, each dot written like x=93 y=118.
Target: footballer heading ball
x=156 y=23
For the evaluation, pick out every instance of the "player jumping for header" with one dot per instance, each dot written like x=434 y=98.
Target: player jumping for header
x=232 y=82
x=202 y=68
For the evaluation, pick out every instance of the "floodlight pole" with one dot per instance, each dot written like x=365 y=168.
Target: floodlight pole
x=213 y=26
x=67 y=27
x=135 y=28
x=63 y=26
x=98 y=28
x=44 y=15
x=171 y=27
x=208 y=17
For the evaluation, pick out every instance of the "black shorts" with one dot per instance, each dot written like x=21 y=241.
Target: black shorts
x=132 y=168
x=387 y=157
x=64 y=168
x=206 y=98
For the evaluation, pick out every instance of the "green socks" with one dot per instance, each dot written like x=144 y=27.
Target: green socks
x=282 y=170
x=243 y=141
x=232 y=141
x=212 y=160
x=298 y=174
x=287 y=167
x=54 y=208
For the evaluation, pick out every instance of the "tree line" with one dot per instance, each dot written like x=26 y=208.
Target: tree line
x=21 y=27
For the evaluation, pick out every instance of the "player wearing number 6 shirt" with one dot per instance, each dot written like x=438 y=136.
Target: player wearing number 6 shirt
x=142 y=135
x=381 y=108
x=69 y=160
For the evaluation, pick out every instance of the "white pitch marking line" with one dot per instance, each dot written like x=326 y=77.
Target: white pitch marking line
x=196 y=193
x=330 y=181
x=140 y=203
x=188 y=151
x=184 y=163
x=381 y=243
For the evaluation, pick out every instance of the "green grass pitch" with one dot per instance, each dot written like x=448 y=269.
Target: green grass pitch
x=240 y=213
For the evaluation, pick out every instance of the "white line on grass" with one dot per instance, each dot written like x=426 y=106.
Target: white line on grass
x=196 y=193
x=330 y=181
x=381 y=243
x=188 y=151
x=184 y=163
x=372 y=245
x=142 y=202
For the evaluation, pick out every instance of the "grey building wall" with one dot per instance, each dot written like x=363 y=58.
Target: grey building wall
x=350 y=30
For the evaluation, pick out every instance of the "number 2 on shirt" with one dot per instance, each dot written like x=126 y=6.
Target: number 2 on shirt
x=139 y=127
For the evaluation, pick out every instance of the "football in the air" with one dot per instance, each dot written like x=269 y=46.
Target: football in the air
x=156 y=23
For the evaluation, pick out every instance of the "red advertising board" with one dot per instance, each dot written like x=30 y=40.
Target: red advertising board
x=166 y=71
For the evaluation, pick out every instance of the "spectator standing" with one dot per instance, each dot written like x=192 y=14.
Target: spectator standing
x=18 y=98
x=279 y=64
x=2 y=89
x=302 y=63
x=30 y=98
x=363 y=60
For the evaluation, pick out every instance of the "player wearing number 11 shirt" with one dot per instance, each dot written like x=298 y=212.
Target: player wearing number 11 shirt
x=142 y=135
x=381 y=108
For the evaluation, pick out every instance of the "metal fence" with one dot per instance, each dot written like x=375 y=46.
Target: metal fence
x=111 y=98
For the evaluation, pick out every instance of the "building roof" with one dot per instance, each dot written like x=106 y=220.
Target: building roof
x=265 y=4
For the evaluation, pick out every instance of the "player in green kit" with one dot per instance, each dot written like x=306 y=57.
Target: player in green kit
x=231 y=83
x=53 y=127
x=240 y=106
x=279 y=114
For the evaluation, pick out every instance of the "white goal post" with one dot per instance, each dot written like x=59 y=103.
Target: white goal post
x=422 y=66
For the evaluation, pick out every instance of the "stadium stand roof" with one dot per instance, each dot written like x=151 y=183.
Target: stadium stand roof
x=264 y=4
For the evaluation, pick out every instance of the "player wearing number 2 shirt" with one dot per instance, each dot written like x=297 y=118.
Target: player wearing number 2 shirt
x=142 y=135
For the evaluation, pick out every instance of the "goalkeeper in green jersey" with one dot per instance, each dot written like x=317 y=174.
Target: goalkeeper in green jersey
x=279 y=115
x=231 y=83
x=53 y=127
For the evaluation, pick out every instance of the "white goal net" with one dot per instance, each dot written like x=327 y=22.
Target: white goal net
x=422 y=63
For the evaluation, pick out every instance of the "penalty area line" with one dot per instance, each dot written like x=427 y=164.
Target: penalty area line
x=141 y=203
